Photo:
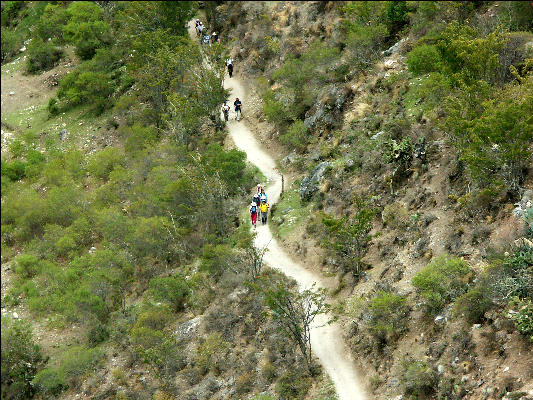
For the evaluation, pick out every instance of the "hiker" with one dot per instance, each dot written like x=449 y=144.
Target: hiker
x=264 y=211
x=259 y=188
x=197 y=27
x=205 y=39
x=200 y=28
x=225 y=111
x=256 y=199
x=238 y=112
x=263 y=195
x=229 y=63
x=214 y=37
x=253 y=213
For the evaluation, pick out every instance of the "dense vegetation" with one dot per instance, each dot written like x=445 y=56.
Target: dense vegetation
x=129 y=240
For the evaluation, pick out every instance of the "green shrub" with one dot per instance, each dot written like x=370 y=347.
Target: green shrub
x=50 y=382
x=145 y=338
x=42 y=56
x=102 y=163
x=230 y=166
x=14 y=170
x=418 y=379
x=86 y=29
x=297 y=136
x=521 y=313
x=493 y=136
x=77 y=362
x=27 y=266
x=138 y=138
x=274 y=110
x=97 y=334
x=473 y=304
x=156 y=318
x=65 y=245
x=10 y=12
x=399 y=153
x=423 y=59
x=51 y=23
x=292 y=385
x=212 y=353
x=21 y=359
x=388 y=317
x=511 y=276
x=441 y=282
x=173 y=289
x=11 y=44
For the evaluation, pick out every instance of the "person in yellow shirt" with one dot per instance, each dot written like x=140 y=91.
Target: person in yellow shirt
x=264 y=211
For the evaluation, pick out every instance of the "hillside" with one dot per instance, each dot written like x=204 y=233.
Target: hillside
x=405 y=107
x=404 y=135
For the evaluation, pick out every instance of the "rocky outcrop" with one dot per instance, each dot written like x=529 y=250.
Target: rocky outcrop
x=310 y=183
x=325 y=114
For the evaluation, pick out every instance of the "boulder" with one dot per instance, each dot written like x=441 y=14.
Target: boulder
x=310 y=183
x=394 y=48
x=325 y=112
x=291 y=158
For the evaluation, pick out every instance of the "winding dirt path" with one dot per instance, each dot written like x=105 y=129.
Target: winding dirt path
x=326 y=340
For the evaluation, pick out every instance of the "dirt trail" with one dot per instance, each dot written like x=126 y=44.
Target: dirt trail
x=326 y=340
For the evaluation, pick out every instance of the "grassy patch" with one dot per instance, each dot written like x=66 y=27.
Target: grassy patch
x=33 y=121
x=12 y=67
x=289 y=214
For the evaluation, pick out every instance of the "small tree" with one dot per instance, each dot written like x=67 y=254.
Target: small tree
x=295 y=312
x=254 y=260
x=349 y=238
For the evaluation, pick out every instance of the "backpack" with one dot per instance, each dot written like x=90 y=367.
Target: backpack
x=253 y=209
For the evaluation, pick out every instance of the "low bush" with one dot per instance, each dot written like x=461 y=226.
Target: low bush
x=521 y=313
x=14 y=170
x=441 y=282
x=212 y=353
x=42 y=56
x=511 y=276
x=473 y=304
x=292 y=385
x=423 y=59
x=173 y=289
x=418 y=379
x=11 y=44
x=49 y=382
x=297 y=136
x=97 y=334
x=27 y=266
x=388 y=317
x=102 y=163
x=77 y=362
x=21 y=358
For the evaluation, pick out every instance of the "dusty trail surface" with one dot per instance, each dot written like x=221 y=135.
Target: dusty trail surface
x=326 y=341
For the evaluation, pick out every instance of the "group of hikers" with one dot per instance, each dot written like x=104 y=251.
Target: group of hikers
x=259 y=205
x=238 y=107
x=201 y=31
